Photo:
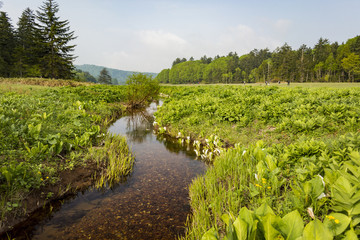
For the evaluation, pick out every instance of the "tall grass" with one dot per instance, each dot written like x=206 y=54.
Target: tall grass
x=114 y=158
x=44 y=82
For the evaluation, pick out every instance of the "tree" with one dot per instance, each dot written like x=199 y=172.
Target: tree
x=57 y=55
x=104 y=77
x=351 y=64
x=178 y=60
x=141 y=89
x=7 y=46
x=28 y=44
x=163 y=76
x=84 y=76
x=115 y=81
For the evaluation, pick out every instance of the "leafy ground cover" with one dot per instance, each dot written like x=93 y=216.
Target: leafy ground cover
x=293 y=170
x=244 y=115
x=45 y=131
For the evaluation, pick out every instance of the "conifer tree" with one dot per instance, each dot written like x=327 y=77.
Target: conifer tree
x=57 y=59
x=104 y=77
x=7 y=45
x=28 y=45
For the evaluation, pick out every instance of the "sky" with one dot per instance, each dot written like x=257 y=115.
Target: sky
x=148 y=35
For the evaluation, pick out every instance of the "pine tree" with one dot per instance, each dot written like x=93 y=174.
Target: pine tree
x=104 y=77
x=28 y=45
x=57 y=59
x=7 y=45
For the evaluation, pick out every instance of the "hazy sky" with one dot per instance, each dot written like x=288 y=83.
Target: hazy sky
x=147 y=35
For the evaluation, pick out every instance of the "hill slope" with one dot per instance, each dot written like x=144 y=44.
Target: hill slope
x=120 y=75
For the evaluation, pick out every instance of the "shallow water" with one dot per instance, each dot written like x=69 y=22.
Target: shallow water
x=152 y=203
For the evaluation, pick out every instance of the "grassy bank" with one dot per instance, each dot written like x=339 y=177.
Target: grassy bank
x=272 y=114
x=295 y=164
x=46 y=131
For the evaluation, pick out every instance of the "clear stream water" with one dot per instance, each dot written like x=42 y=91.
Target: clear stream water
x=152 y=203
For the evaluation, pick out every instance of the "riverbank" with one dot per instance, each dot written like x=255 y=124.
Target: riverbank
x=288 y=140
x=51 y=141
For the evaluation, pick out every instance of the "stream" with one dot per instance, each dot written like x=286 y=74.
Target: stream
x=151 y=203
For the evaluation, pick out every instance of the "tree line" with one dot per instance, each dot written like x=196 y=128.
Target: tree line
x=325 y=62
x=39 y=46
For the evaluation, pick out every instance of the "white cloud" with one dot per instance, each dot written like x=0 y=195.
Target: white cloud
x=243 y=39
x=160 y=38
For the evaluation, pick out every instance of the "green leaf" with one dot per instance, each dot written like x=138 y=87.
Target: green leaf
x=291 y=225
x=333 y=226
x=263 y=210
x=246 y=215
x=316 y=230
x=210 y=235
x=350 y=235
x=267 y=223
x=226 y=218
x=317 y=187
x=241 y=229
x=355 y=220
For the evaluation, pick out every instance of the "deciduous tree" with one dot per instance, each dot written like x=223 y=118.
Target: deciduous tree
x=141 y=89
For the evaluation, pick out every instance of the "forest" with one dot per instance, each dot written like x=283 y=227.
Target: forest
x=325 y=62
x=39 y=46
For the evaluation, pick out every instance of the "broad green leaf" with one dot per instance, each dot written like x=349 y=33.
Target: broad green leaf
x=355 y=220
x=210 y=235
x=356 y=209
x=316 y=230
x=246 y=215
x=253 y=232
x=337 y=223
x=355 y=157
x=350 y=235
x=342 y=184
x=263 y=210
x=291 y=225
x=270 y=163
x=317 y=187
x=241 y=229
x=267 y=223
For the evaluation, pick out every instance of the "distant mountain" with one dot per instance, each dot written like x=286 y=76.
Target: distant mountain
x=120 y=75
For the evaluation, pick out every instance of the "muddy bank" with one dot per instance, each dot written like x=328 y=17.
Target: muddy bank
x=71 y=182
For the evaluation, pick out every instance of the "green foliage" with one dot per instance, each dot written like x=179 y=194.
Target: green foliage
x=114 y=158
x=56 y=58
x=7 y=40
x=237 y=114
x=141 y=89
x=300 y=181
x=37 y=48
x=50 y=130
x=325 y=62
x=246 y=177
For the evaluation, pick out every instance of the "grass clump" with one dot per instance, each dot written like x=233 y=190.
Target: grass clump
x=114 y=158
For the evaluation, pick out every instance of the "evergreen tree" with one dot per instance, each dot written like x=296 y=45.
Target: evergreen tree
x=104 y=77
x=26 y=52
x=57 y=59
x=7 y=45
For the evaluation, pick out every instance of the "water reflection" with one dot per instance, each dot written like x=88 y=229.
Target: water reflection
x=151 y=204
